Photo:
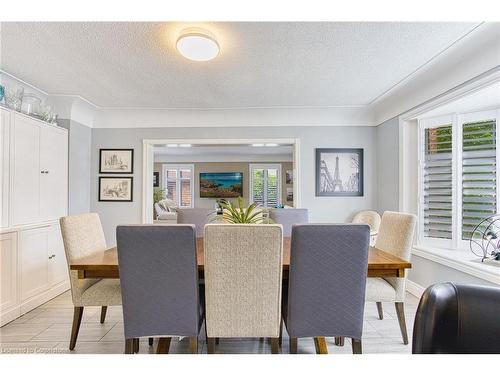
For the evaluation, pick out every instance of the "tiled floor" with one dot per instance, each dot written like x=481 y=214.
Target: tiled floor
x=47 y=329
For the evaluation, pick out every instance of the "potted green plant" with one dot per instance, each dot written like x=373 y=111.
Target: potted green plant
x=239 y=214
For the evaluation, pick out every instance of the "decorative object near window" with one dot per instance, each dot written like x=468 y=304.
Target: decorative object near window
x=115 y=189
x=289 y=177
x=289 y=194
x=339 y=172
x=116 y=161
x=485 y=239
x=156 y=179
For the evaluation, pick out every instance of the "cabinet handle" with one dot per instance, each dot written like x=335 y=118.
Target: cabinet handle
x=52 y=256
x=47 y=172
x=42 y=172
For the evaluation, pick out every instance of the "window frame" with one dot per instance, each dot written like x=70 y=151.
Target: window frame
x=456 y=120
x=266 y=166
x=178 y=168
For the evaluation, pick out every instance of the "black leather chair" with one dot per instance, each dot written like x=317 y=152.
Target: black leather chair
x=458 y=319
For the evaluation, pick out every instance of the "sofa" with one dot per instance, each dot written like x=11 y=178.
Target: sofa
x=165 y=216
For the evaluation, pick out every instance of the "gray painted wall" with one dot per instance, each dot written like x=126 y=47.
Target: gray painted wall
x=80 y=139
x=322 y=209
x=426 y=272
x=388 y=165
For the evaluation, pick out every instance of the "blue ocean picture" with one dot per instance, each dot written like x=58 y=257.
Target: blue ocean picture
x=221 y=185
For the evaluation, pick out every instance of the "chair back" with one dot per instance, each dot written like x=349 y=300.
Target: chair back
x=457 y=319
x=159 y=280
x=288 y=217
x=372 y=218
x=395 y=236
x=82 y=236
x=243 y=267
x=327 y=279
x=199 y=217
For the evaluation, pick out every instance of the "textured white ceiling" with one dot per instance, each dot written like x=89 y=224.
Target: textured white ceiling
x=260 y=64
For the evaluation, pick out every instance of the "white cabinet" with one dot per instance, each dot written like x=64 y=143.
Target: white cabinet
x=4 y=166
x=25 y=173
x=39 y=173
x=34 y=195
x=33 y=261
x=53 y=173
x=8 y=272
x=58 y=266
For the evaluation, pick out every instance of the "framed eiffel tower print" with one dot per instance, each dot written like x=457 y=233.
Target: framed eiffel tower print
x=339 y=172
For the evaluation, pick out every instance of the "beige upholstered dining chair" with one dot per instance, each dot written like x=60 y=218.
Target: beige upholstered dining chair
x=372 y=218
x=83 y=236
x=243 y=267
x=396 y=237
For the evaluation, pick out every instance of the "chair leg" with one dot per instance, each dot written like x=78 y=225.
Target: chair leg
x=400 y=310
x=129 y=346
x=293 y=345
x=150 y=341
x=380 y=311
x=275 y=346
x=77 y=319
x=320 y=344
x=210 y=345
x=103 y=313
x=280 y=339
x=339 y=341
x=136 y=345
x=356 y=346
x=163 y=345
x=193 y=343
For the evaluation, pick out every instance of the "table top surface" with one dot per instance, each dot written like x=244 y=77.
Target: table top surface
x=107 y=260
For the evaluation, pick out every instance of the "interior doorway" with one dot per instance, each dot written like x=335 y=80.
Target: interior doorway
x=185 y=171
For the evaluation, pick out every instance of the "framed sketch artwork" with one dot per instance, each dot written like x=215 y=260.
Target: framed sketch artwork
x=116 y=161
x=115 y=189
x=339 y=172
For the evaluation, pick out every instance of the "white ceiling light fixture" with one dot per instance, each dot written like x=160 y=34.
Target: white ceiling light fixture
x=272 y=145
x=197 y=44
x=185 y=145
x=257 y=144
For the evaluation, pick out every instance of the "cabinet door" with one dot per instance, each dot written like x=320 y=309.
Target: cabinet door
x=4 y=167
x=25 y=171
x=8 y=271
x=58 y=267
x=33 y=260
x=54 y=176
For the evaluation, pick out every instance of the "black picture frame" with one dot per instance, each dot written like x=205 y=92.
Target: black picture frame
x=101 y=178
x=321 y=189
x=156 y=179
x=128 y=150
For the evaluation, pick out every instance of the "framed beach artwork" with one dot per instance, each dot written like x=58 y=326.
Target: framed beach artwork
x=339 y=172
x=115 y=189
x=116 y=161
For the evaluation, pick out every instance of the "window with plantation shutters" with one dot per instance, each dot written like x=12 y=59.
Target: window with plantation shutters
x=265 y=184
x=438 y=182
x=479 y=173
x=178 y=183
x=458 y=184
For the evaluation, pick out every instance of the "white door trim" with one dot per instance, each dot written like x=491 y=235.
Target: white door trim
x=148 y=164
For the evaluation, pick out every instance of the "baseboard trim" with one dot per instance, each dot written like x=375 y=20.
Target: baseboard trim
x=415 y=289
x=9 y=315
x=46 y=296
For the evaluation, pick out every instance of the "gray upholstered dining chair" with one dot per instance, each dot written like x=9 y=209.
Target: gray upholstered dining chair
x=159 y=283
x=395 y=236
x=199 y=217
x=243 y=268
x=83 y=236
x=325 y=296
x=287 y=217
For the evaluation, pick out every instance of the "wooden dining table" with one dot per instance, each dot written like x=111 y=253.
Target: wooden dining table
x=104 y=264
